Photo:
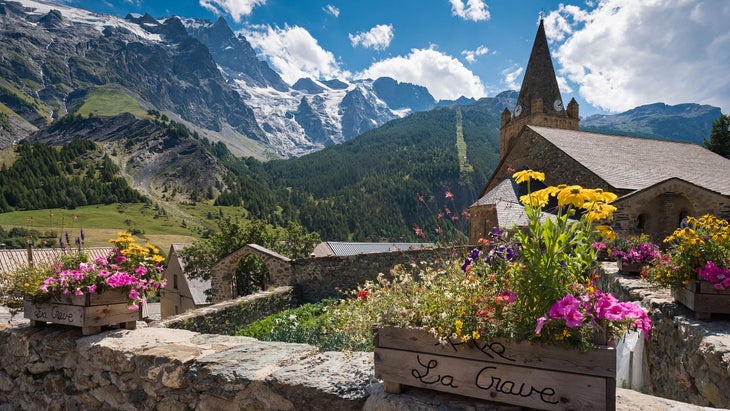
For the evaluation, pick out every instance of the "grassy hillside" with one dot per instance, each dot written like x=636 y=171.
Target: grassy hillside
x=107 y=102
x=103 y=222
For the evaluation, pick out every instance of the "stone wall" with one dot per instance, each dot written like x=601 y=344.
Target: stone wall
x=227 y=317
x=319 y=277
x=322 y=277
x=688 y=359
x=55 y=367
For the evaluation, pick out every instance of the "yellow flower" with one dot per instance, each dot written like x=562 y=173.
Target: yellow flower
x=598 y=194
x=572 y=195
x=599 y=211
x=537 y=199
x=475 y=334
x=527 y=175
x=606 y=232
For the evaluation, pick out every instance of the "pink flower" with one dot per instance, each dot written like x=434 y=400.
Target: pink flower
x=419 y=231
x=133 y=294
x=449 y=194
x=568 y=308
x=92 y=289
x=78 y=292
x=540 y=323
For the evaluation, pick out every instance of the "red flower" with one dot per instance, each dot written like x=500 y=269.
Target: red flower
x=363 y=294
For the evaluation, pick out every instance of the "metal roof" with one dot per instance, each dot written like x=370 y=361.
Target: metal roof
x=335 y=248
x=631 y=163
x=12 y=259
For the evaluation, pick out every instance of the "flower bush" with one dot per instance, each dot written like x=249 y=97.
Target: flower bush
x=129 y=267
x=529 y=283
x=635 y=250
x=700 y=251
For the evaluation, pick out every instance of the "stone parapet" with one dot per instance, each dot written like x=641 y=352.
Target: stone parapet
x=55 y=367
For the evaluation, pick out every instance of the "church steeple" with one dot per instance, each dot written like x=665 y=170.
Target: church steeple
x=539 y=82
x=539 y=102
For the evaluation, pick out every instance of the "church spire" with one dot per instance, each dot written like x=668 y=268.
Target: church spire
x=539 y=102
x=539 y=82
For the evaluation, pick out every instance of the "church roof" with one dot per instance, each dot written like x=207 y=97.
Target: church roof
x=630 y=163
x=539 y=79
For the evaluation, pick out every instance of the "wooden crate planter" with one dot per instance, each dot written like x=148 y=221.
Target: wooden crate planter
x=629 y=268
x=547 y=377
x=88 y=311
x=702 y=298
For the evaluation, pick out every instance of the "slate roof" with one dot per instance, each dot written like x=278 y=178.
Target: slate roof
x=14 y=258
x=328 y=248
x=505 y=197
x=630 y=163
x=539 y=80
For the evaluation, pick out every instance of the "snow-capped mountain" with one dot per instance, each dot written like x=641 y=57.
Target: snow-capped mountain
x=54 y=58
x=311 y=113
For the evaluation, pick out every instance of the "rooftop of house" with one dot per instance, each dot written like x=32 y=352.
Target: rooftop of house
x=337 y=248
x=13 y=259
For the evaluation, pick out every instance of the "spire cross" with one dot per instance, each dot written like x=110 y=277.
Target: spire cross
x=541 y=14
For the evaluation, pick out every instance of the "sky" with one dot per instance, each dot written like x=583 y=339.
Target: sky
x=610 y=55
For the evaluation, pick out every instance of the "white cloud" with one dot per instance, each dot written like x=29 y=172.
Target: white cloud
x=471 y=55
x=236 y=8
x=626 y=53
x=294 y=53
x=444 y=76
x=330 y=9
x=511 y=75
x=474 y=10
x=378 y=38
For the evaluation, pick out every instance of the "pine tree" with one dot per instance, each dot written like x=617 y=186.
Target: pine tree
x=719 y=141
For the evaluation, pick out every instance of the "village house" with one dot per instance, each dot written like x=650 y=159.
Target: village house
x=658 y=182
x=182 y=293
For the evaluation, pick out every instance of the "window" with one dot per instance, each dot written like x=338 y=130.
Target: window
x=174 y=281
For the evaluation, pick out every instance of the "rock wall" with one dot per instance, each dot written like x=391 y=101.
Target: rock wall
x=227 y=317
x=322 y=277
x=56 y=368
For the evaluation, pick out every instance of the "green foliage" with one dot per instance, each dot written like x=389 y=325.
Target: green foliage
x=45 y=177
x=307 y=324
x=719 y=141
x=4 y=121
x=366 y=189
x=292 y=241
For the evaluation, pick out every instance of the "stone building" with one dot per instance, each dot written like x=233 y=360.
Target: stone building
x=658 y=182
x=181 y=293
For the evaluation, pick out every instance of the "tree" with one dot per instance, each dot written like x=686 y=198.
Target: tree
x=719 y=141
x=291 y=241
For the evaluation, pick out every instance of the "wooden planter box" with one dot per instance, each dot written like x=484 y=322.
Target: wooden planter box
x=629 y=268
x=88 y=311
x=702 y=298
x=547 y=377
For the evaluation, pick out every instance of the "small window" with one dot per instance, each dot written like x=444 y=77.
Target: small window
x=174 y=281
x=641 y=221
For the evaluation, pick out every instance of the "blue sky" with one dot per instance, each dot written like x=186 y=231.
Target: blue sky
x=611 y=55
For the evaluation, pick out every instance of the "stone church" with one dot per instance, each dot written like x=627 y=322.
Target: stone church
x=658 y=182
